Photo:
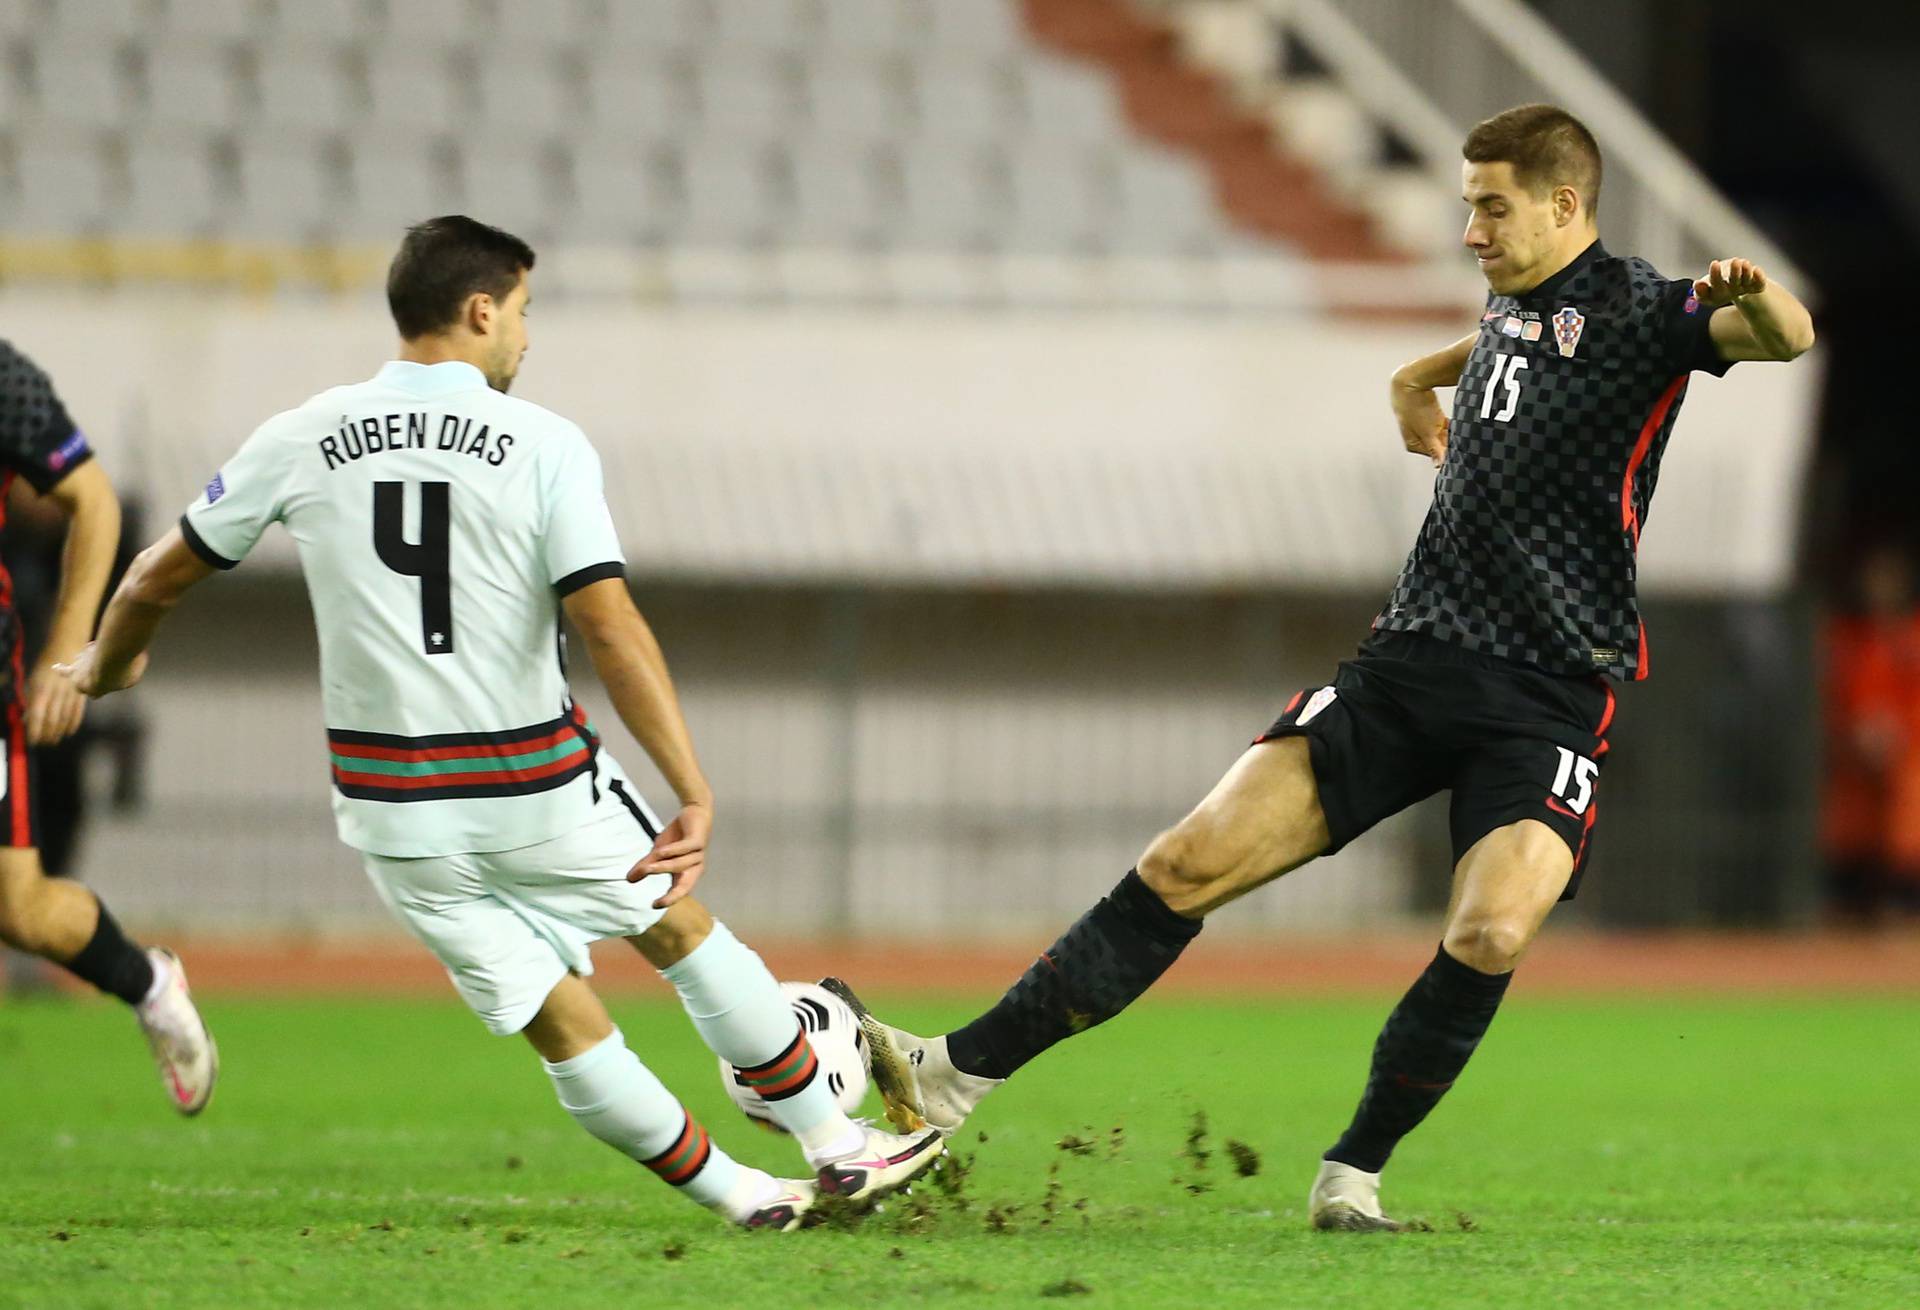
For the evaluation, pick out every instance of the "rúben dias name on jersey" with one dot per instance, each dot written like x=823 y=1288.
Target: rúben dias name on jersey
x=455 y=435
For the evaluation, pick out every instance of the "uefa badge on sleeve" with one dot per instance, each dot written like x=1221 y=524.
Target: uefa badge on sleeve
x=216 y=488
x=1567 y=327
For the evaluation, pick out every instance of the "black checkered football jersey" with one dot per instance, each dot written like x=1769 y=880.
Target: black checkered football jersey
x=1562 y=412
x=38 y=440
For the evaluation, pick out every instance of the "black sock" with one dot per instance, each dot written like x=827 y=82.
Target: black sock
x=1110 y=955
x=112 y=963
x=1423 y=1047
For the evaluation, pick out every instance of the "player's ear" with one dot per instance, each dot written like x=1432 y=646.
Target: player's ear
x=1566 y=205
x=480 y=313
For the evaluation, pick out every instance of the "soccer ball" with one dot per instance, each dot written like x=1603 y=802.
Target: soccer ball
x=838 y=1043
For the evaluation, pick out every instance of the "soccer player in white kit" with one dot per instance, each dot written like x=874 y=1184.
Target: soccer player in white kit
x=442 y=525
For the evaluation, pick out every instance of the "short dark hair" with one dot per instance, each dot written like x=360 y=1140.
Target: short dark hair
x=1547 y=146
x=445 y=260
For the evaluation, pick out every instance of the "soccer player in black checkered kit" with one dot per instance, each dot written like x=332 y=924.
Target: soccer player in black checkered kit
x=1489 y=674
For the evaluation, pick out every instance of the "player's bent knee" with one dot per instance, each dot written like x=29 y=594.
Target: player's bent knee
x=1490 y=945
x=1184 y=872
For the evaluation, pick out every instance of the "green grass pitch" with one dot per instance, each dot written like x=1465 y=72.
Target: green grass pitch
x=1746 y=1154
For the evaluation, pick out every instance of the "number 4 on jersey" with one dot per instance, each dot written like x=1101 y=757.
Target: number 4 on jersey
x=427 y=560
x=1512 y=366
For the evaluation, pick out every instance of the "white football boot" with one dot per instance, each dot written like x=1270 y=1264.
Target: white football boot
x=921 y=1087
x=788 y=1209
x=182 y=1047
x=1347 y=1200
x=885 y=1163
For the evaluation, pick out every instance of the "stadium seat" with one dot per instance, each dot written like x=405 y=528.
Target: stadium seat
x=323 y=20
x=1165 y=202
x=99 y=19
x=173 y=185
x=636 y=100
x=621 y=196
x=63 y=184
x=655 y=25
x=782 y=25
x=870 y=26
x=192 y=84
x=82 y=82
x=524 y=94
x=427 y=24
x=969 y=102
x=855 y=97
x=548 y=25
x=1062 y=198
x=21 y=18
x=746 y=95
x=394 y=184
x=1067 y=103
x=949 y=198
x=411 y=92
x=977 y=28
x=213 y=20
x=839 y=196
x=288 y=188
x=305 y=87
x=516 y=185
x=730 y=192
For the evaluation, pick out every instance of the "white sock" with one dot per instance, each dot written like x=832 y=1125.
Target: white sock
x=617 y=1099
x=739 y=1012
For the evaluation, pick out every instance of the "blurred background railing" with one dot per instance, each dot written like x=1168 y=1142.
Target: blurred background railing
x=991 y=395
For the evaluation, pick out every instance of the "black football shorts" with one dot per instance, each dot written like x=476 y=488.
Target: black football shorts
x=1411 y=715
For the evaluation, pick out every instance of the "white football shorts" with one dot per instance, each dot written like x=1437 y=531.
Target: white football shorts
x=509 y=925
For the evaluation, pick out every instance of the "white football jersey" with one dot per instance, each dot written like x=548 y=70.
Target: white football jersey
x=439 y=523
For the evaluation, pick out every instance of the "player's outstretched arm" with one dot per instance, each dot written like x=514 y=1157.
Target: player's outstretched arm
x=634 y=672
x=156 y=580
x=1423 y=426
x=1754 y=317
x=54 y=705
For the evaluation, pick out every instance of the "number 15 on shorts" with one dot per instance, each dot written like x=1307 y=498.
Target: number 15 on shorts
x=1573 y=784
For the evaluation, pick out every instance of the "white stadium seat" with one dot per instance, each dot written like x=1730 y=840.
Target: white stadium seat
x=305 y=87
x=287 y=189
x=82 y=82
x=746 y=95
x=761 y=25
x=867 y=26
x=392 y=186
x=970 y=102
x=1166 y=202
x=213 y=20
x=730 y=193
x=1061 y=198
x=656 y=25
x=1068 y=103
x=192 y=84
x=173 y=186
x=858 y=97
x=412 y=92
x=979 y=28
x=621 y=196
x=63 y=185
x=524 y=94
x=637 y=99
x=950 y=197
x=514 y=185
x=430 y=24
x=323 y=20
x=100 y=19
x=522 y=26
x=839 y=197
